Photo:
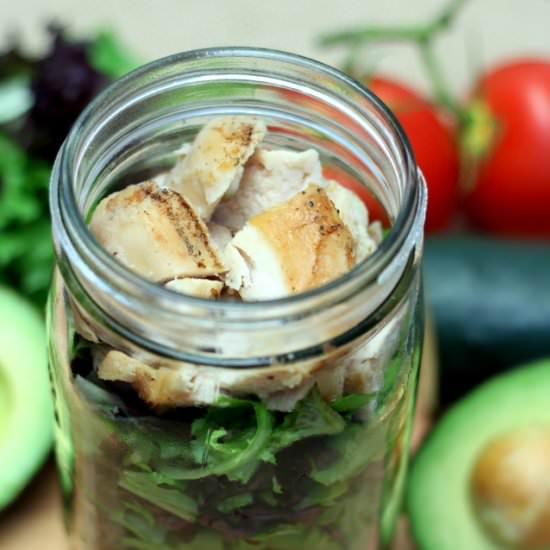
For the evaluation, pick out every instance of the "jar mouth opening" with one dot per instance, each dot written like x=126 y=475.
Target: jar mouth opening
x=405 y=231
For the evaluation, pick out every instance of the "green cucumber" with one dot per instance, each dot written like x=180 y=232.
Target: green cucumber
x=491 y=304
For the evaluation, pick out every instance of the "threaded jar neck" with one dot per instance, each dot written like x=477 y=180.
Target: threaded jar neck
x=134 y=127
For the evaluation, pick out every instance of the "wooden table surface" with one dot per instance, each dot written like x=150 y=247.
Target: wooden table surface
x=35 y=522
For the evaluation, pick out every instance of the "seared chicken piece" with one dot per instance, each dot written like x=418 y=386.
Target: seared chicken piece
x=180 y=384
x=240 y=267
x=355 y=216
x=176 y=385
x=213 y=166
x=376 y=232
x=295 y=246
x=163 y=179
x=270 y=178
x=285 y=400
x=294 y=230
x=170 y=383
x=157 y=386
x=156 y=233
x=219 y=235
x=202 y=288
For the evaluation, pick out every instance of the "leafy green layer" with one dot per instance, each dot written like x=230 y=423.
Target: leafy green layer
x=241 y=470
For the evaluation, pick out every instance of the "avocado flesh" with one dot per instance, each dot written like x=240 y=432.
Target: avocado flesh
x=26 y=418
x=438 y=497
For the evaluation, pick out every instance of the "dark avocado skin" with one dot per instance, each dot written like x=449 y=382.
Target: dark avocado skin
x=438 y=496
x=491 y=306
x=26 y=412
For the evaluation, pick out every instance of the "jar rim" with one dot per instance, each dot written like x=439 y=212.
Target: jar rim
x=133 y=297
x=410 y=207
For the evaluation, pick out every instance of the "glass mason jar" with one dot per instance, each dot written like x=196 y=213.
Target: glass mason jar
x=319 y=463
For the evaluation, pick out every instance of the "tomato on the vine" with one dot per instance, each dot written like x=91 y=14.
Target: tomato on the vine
x=433 y=143
x=511 y=191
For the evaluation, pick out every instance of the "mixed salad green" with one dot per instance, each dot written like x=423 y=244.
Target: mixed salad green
x=26 y=255
x=40 y=98
x=234 y=474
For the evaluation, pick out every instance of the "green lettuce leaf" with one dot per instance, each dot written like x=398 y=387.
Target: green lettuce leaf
x=352 y=402
x=312 y=416
x=15 y=98
x=355 y=447
x=324 y=496
x=175 y=501
x=26 y=253
x=235 y=502
x=224 y=443
x=109 y=56
x=139 y=521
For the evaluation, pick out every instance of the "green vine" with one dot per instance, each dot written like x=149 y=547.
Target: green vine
x=422 y=36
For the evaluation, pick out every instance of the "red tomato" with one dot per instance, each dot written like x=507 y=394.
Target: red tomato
x=435 y=148
x=511 y=194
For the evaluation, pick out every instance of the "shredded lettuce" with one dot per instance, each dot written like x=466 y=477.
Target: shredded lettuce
x=139 y=521
x=171 y=500
x=228 y=466
x=352 y=402
x=221 y=451
x=234 y=503
x=356 y=447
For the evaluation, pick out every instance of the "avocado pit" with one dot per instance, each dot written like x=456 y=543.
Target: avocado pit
x=510 y=488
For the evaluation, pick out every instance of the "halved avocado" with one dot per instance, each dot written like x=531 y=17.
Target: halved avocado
x=441 y=497
x=26 y=417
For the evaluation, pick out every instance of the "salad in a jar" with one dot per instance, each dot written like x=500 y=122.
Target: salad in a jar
x=306 y=455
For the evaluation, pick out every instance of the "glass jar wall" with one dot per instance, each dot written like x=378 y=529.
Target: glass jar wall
x=302 y=439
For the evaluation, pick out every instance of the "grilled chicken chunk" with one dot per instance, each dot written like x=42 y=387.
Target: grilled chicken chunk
x=355 y=216
x=270 y=178
x=219 y=235
x=295 y=246
x=376 y=232
x=202 y=288
x=170 y=383
x=158 y=386
x=277 y=228
x=156 y=233
x=213 y=166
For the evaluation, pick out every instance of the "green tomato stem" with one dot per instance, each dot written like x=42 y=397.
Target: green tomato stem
x=442 y=94
x=446 y=18
x=374 y=34
x=420 y=35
